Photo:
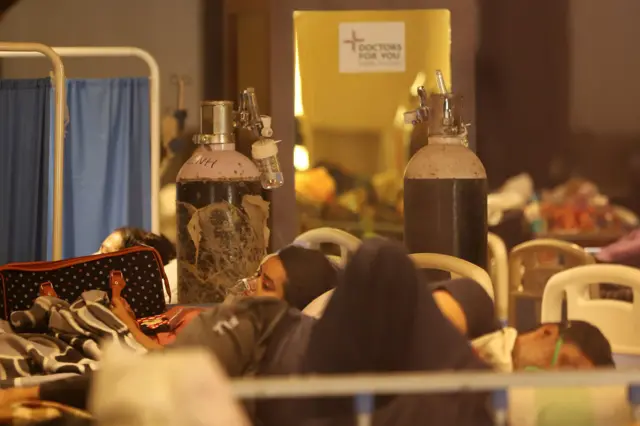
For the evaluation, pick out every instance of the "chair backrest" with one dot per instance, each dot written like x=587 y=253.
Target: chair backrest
x=499 y=273
x=456 y=266
x=423 y=261
x=532 y=263
x=314 y=237
x=619 y=321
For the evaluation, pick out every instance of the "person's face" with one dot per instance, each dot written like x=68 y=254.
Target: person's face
x=543 y=348
x=112 y=243
x=268 y=281
x=271 y=278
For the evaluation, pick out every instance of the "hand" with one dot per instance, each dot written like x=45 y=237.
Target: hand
x=122 y=310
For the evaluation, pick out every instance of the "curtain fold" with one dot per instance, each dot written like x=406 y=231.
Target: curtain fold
x=107 y=161
x=24 y=164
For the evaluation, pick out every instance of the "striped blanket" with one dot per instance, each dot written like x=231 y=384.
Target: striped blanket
x=55 y=339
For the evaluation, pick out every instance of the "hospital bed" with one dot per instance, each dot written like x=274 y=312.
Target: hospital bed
x=522 y=397
x=458 y=267
x=618 y=320
x=605 y=405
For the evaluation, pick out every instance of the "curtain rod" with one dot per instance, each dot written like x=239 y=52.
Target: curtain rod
x=154 y=102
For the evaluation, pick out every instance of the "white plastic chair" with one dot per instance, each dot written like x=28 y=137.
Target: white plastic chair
x=457 y=267
x=528 y=276
x=499 y=273
x=619 y=321
x=313 y=238
x=442 y=262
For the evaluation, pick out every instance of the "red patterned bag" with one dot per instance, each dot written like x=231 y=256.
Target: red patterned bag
x=141 y=268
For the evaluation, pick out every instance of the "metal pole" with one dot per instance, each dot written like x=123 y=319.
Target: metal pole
x=37 y=49
x=309 y=386
x=154 y=103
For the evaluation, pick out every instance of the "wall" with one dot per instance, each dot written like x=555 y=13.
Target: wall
x=522 y=77
x=361 y=108
x=605 y=75
x=170 y=30
x=365 y=101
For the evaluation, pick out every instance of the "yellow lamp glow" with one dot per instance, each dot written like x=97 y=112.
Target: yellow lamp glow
x=300 y=158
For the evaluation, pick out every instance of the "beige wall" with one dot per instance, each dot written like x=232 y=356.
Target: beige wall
x=605 y=75
x=168 y=29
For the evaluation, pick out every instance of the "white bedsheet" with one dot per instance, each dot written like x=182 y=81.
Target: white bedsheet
x=171 y=269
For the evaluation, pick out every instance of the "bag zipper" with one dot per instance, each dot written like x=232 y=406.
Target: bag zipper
x=46 y=265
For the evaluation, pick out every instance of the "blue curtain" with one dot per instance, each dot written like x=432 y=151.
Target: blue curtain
x=24 y=163
x=107 y=161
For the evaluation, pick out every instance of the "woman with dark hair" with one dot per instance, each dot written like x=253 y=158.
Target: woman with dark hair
x=127 y=237
x=295 y=274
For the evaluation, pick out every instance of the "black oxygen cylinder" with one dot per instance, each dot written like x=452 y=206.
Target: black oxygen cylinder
x=445 y=189
x=221 y=215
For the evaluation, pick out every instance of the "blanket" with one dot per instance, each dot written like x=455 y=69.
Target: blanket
x=43 y=413
x=55 y=339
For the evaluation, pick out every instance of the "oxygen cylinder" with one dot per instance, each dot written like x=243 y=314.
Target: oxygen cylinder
x=221 y=215
x=445 y=186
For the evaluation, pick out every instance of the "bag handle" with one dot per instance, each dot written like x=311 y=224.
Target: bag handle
x=46 y=289
x=117 y=284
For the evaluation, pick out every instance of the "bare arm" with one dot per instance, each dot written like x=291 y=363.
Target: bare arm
x=124 y=314
x=451 y=309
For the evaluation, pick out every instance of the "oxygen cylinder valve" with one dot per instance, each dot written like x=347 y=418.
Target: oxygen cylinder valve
x=420 y=114
x=445 y=180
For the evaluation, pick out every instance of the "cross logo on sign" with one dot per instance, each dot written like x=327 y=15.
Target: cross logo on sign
x=223 y=326
x=353 y=41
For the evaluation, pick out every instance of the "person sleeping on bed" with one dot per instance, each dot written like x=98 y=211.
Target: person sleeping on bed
x=126 y=237
x=465 y=304
x=306 y=272
x=295 y=275
x=380 y=319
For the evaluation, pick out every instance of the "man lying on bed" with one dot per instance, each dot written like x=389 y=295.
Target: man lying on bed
x=467 y=305
x=380 y=319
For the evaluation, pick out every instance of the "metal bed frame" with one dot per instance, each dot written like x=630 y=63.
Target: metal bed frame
x=54 y=54
x=364 y=387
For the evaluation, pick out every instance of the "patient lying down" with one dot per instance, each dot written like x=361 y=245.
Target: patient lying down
x=381 y=318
